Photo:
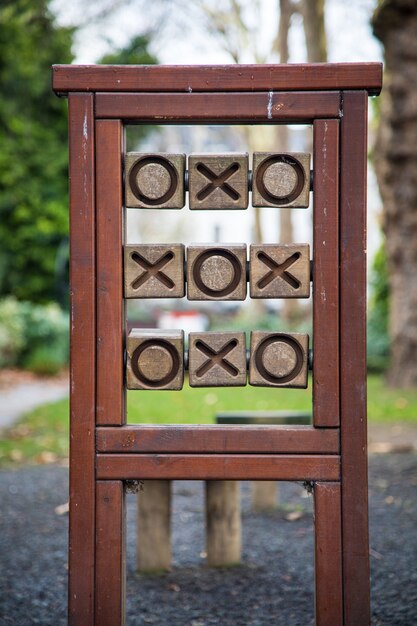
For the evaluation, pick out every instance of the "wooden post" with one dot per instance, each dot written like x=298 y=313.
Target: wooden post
x=223 y=524
x=264 y=495
x=354 y=461
x=83 y=360
x=154 y=526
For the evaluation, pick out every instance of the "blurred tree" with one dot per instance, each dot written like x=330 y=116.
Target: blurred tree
x=395 y=156
x=134 y=53
x=33 y=157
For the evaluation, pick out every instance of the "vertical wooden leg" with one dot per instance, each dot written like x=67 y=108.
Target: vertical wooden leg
x=328 y=551
x=110 y=553
x=223 y=523
x=154 y=526
x=264 y=495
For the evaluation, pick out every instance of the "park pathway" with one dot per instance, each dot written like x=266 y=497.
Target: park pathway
x=18 y=399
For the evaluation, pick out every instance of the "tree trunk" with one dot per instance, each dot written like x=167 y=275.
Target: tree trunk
x=395 y=24
x=315 y=31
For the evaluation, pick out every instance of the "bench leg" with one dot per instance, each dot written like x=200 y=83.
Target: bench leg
x=264 y=495
x=154 y=526
x=223 y=523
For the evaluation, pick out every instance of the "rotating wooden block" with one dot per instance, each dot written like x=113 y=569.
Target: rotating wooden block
x=154 y=181
x=154 y=271
x=218 y=181
x=217 y=359
x=279 y=271
x=216 y=272
x=278 y=359
x=155 y=359
x=281 y=180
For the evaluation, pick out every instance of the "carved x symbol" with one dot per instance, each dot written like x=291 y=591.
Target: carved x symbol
x=153 y=269
x=216 y=358
x=278 y=269
x=218 y=181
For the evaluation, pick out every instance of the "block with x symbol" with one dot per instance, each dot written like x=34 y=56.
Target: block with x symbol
x=218 y=181
x=217 y=359
x=154 y=271
x=279 y=271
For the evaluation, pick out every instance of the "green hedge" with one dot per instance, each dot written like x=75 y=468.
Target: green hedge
x=33 y=336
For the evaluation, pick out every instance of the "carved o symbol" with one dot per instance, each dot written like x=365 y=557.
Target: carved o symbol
x=217 y=273
x=279 y=358
x=150 y=176
x=155 y=363
x=280 y=179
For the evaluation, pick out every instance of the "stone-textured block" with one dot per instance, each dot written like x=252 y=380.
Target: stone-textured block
x=154 y=271
x=217 y=359
x=154 y=181
x=218 y=181
x=155 y=359
x=279 y=270
x=278 y=359
x=281 y=180
x=216 y=272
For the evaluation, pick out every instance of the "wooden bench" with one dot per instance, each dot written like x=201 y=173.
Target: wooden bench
x=223 y=519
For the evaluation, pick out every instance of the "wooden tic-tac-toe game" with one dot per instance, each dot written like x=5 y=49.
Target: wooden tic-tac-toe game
x=104 y=180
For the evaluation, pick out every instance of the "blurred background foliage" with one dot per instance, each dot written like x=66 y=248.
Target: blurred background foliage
x=34 y=184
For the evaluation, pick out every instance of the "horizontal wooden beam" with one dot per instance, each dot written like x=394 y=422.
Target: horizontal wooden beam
x=290 y=77
x=217 y=467
x=218 y=439
x=261 y=107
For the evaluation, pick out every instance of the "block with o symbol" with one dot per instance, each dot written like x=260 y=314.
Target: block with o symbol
x=154 y=181
x=155 y=359
x=216 y=272
x=278 y=359
x=281 y=179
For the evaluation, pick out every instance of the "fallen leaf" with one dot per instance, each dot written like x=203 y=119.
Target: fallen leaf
x=61 y=509
x=294 y=516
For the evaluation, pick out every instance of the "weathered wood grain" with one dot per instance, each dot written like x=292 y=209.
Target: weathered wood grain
x=353 y=359
x=154 y=271
x=154 y=180
x=110 y=554
x=153 y=546
x=218 y=181
x=110 y=305
x=155 y=359
x=328 y=554
x=279 y=270
x=217 y=439
x=278 y=359
x=217 y=359
x=81 y=576
x=281 y=179
x=216 y=272
x=223 y=523
x=155 y=78
x=218 y=467
x=326 y=398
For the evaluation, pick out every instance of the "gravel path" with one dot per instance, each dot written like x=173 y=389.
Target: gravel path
x=274 y=585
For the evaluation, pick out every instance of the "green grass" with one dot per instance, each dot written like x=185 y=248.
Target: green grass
x=42 y=435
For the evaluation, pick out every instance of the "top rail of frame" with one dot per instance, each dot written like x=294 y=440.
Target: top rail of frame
x=227 y=78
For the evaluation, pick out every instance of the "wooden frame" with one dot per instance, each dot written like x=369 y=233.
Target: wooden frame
x=104 y=450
